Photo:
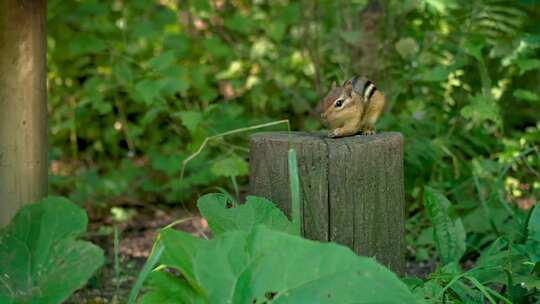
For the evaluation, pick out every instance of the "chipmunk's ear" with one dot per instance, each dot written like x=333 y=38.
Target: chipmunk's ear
x=348 y=86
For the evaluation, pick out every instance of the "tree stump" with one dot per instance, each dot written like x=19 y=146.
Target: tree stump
x=351 y=189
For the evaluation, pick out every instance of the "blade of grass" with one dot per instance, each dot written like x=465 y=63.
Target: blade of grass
x=487 y=291
x=295 y=191
x=149 y=265
x=454 y=280
x=151 y=262
x=116 y=244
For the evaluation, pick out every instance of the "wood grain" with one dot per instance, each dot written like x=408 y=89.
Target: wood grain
x=351 y=189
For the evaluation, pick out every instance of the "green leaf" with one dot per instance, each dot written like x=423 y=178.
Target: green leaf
x=473 y=46
x=255 y=211
x=533 y=235
x=86 y=44
x=178 y=43
x=449 y=234
x=351 y=37
x=166 y=288
x=407 y=47
x=482 y=108
x=230 y=166
x=147 y=91
x=276 y=30
x=441 y=6
x=526 y=65
x=162 y=61
x=169 y=164
x=239 y=23
x=496 y=261
x=175 y=79
x=437 y=74
x=180 y=252
x=216 y=47
x=526 y=95
x=190 y=119
x=41 y=260
x=269 y=266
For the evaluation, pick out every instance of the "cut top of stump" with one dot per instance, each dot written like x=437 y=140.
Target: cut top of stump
x=311 y=137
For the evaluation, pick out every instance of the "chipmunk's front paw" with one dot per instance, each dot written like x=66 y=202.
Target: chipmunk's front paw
x=334 y=133
x=368 y=132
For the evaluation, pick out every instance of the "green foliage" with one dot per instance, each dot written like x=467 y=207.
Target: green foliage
x=135 y=87
x=245 y=217
x=533 y=235
x=41 y=259
x=249 y=243
x=135 y=81
x=246 y=263
x=449 y=234
x=506 y=263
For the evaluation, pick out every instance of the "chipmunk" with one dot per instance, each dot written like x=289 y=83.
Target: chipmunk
x=352 y=107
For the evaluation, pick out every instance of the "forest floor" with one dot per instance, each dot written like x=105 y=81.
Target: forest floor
x=125 y=257
x=136 y=234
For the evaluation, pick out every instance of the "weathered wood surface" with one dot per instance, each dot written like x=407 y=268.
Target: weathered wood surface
x=23 y=104
x=351 y=189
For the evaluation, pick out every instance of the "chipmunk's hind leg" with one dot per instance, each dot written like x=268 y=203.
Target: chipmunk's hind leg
x=369 y=126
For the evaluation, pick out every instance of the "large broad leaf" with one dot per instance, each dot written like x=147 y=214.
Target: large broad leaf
x=256 y=210
x=165 y=288
x=41 y=260
x=449 y=234
x=265 y=266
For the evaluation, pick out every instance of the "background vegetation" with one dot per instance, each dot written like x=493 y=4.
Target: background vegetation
x=136 y=86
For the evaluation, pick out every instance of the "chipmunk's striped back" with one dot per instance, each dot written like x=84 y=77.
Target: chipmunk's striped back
x=363 y=87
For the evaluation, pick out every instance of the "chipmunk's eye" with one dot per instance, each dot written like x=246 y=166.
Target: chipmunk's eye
x=339 y=103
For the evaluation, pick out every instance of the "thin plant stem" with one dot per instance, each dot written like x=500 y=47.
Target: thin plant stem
x=235 y=186
x=116 y=243
x=235 y=131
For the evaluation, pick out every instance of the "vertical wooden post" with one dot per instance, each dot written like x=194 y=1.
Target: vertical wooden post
x=351 y=189
x=23 y=104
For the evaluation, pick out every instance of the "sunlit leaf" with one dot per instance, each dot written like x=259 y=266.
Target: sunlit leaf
x=255 y=211
x=448 y=233
x=230 y=166
x=526 y=95
x=481 y=108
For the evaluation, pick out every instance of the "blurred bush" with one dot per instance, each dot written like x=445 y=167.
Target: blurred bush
x=136 y=86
